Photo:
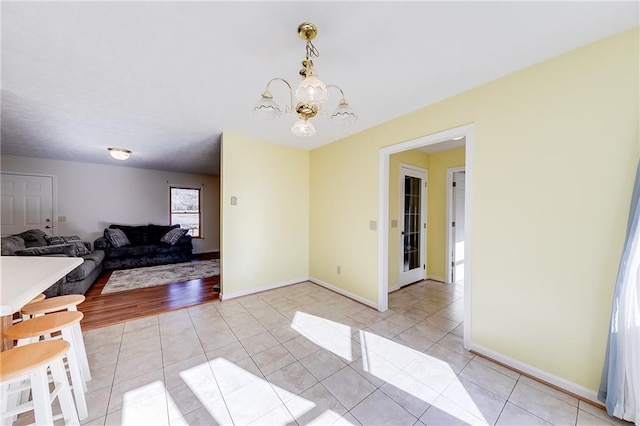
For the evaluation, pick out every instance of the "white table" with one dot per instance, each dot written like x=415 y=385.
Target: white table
x=24 y=277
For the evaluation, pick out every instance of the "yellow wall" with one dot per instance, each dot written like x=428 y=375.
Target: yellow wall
x=265 y=237
x=439 y=162
x=412 y=157
x=553 y=165
x=343 y=180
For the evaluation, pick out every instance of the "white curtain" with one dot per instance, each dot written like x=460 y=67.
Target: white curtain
x=620 y=384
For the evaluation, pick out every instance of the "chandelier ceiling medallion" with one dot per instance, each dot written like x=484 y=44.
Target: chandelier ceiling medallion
x=311 y=93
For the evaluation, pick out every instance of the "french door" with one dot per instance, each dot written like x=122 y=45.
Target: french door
x=413 y=225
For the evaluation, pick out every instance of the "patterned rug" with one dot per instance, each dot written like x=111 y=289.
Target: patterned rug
x=130 y=279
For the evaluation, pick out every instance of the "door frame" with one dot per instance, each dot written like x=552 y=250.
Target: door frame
x=450 y=212
x=383 y=214
x=54 y=194
x=423 y=216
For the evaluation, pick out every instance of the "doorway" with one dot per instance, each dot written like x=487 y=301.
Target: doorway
x=463 y=132
x=413 y=227
x=455 y=224
x=27 y=203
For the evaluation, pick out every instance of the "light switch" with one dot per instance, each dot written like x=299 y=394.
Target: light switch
x=62 y=219
x=394 y=223
x=373 y=225
x=234 y=201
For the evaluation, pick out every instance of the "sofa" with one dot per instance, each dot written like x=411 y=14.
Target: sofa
x=144 y=245
x=36 y=242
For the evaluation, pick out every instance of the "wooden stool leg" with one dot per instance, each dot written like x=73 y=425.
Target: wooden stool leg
x=64 y=394
x=76 y=375
x=41 y=397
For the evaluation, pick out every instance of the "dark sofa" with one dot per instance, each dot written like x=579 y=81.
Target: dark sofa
x=145 y=247
x=34 y=243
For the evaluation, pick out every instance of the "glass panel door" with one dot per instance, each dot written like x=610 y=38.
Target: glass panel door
x=412 y=221
x=412 y=206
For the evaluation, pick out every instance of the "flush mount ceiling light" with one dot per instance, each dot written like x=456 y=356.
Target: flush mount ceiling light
x=119 y=153
x=311 y=93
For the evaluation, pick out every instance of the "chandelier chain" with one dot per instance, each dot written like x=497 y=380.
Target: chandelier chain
x=312 y=51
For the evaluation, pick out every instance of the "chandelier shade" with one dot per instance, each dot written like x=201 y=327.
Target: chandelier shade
x=312 y=90
x=267 y=108
x=344 y=114
x=310 y=93
x=303 y=128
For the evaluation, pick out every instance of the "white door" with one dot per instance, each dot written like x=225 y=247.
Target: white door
x=27 y=203
x=457 y=262
x=413 y=225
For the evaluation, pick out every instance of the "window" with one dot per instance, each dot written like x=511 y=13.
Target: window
x=185 y=209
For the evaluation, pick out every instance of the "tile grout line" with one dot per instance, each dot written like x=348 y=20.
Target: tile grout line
x=222 y=396
x=113 y=379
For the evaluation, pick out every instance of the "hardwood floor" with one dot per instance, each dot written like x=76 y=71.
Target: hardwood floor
x=101 y=310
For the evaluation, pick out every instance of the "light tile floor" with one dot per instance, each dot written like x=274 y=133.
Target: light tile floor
x=305 y=355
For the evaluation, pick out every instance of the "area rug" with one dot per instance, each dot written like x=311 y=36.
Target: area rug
x=150 y=276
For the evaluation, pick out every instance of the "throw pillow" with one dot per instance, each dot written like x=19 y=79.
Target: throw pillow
x=116 y=237
x=173 y=236
x=156 y=232
x=80 y=247
x=66 y=249
x=137 y=235
x=54 y=240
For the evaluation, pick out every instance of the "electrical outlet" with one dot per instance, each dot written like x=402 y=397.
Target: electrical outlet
x=62 y=219
x=338 y=269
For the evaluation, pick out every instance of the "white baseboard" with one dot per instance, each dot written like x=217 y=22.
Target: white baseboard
x=536 y=373
x=435 y=278
x=344 y=292
x=261 y=289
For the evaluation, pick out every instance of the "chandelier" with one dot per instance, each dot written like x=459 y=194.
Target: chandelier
x=311 y=93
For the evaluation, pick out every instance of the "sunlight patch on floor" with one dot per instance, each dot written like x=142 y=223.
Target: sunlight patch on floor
x=330 y=335
x=232 y=393
x=145 y=405
x=417 y=374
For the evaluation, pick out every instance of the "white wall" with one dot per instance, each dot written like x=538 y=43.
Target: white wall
x=93 y=196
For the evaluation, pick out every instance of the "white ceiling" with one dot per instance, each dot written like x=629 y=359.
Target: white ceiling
x=165 y=79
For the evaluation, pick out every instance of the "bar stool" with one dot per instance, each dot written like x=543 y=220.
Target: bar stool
x=30 y=363
x=38 y=298
x=53 y=304
x=17 y=318
x=63 y=322
x=63 y=303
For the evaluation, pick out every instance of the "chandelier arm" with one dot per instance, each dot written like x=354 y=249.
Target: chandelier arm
x=290 y=90
x=337 y=87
